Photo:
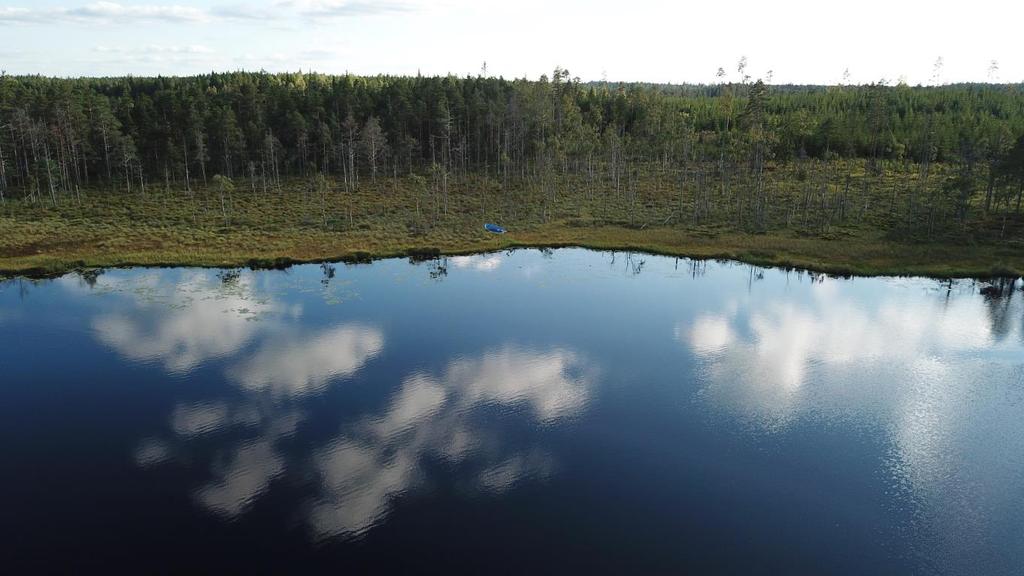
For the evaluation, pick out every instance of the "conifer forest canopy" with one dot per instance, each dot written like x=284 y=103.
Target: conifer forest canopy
x=58 y=136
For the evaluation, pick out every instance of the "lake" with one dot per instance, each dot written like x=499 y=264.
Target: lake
x=531 y=411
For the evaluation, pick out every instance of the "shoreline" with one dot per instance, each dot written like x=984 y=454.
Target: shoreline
x=858 y=258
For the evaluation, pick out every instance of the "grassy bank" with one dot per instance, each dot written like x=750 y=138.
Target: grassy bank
x=302 y=222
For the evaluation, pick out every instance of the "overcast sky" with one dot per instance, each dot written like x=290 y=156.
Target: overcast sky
x=799 y=41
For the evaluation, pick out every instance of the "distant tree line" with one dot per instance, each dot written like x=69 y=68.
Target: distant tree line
x=60 y=136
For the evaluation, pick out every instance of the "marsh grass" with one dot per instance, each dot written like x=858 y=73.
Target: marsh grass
x=294 y=223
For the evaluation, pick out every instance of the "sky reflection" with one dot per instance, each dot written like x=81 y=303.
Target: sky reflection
x=380 y=456
x=932 y=372
x=294 y=364
x=636 y=411
x=760 y=353
x=262 y=347
x=180 y=324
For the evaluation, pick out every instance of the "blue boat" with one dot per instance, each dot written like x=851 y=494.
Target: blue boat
x=494 y=228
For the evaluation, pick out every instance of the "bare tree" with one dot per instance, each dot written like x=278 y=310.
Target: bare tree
x=224 y=187
x=351 y=133
x=374 y=144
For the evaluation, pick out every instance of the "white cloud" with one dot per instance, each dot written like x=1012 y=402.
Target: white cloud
x=114 y=12
x=117 y=13
x=320 y=53
x=244 y=12
x=167 y=57
x=344 y=8
x=10 y=14
x=403 y=37
x=262 y=60
x=155 y=49
x=106 y=13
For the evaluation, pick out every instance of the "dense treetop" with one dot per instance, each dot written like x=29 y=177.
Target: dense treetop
x=222 y=122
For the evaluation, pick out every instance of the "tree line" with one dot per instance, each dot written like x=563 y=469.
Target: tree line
x=59 y=137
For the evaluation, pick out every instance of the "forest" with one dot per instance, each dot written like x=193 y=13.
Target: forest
x=907 y=164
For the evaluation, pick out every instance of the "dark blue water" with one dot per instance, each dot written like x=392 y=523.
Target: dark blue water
x=533 y=412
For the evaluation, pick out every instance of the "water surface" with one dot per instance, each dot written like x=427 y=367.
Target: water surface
x=527 y=411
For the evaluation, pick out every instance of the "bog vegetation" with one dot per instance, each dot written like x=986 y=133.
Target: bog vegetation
x=386 y=163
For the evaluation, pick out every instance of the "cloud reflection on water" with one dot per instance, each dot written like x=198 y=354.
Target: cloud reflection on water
x=380 y=456
x=244 y=475
x=759 y=356
x=277 y=365
x=931 y=372
x=294 y=364
x=479 y=262
x=181 y=324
